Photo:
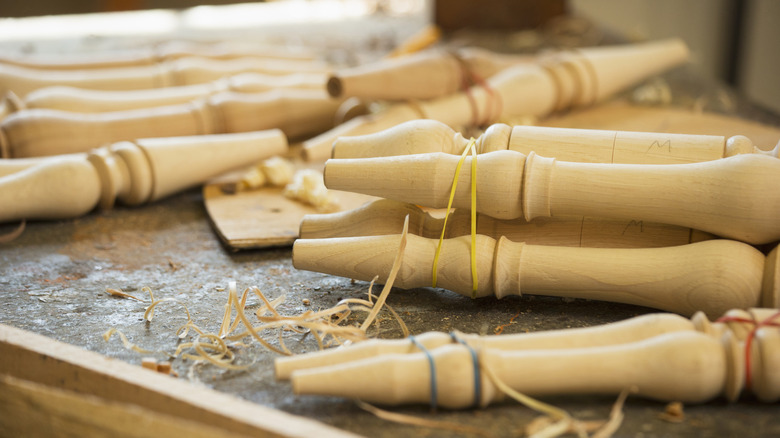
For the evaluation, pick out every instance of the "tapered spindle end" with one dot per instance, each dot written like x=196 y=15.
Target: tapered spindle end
x=412 y=137
x=380 y=217
x=371 y=380
x=285 y=366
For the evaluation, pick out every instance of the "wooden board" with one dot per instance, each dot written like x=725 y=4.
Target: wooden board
x=40 y=372
x=264 y=217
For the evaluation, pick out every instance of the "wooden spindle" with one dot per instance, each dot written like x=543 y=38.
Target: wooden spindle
x=131 y=172
x=684 y=366
x=422 y=75
x=621 y=332
x=94 y=101
x=385 y=216
x=184 y=71
x=732 y=197
x=572 y=79
x=39 y=132
x=630 y=330
x=578 y=145
x=154 y=55
x=713 y=276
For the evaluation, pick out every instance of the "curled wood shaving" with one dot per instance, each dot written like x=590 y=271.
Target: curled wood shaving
x=128 y=345
x=326 y=326
x=8 y=237
x=422 y=422
x=673 y=413
x=556 y=421
x=121 y=294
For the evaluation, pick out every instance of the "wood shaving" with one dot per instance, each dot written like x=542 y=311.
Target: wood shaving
x=275 y=171
x=278 y=171
x=8 y=237
x=422 y=422
x=308 y=187
x=673 y=413
x=121 y=294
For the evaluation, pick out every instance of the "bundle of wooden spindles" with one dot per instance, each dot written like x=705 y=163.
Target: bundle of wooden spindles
x=662 y=356
x=553 y=207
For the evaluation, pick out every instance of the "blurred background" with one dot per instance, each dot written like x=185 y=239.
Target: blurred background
x=736 y=42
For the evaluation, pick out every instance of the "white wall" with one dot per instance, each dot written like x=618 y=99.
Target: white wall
x=709 y=28
x=759 y=70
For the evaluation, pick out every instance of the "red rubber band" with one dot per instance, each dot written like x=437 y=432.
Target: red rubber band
x=749 y=340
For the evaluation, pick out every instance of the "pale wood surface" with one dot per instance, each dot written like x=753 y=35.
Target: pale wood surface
x=41 y=360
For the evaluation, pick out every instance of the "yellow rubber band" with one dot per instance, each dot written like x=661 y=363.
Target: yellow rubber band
x=470 y=147
x=474 y=281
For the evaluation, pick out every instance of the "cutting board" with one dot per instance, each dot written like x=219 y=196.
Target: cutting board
x=265 y=218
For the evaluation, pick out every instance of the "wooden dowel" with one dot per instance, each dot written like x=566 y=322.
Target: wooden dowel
x=423 y=75
x=578 y=145
x=685 y=366
x=713 y=276
x=573 y=79
x=39 y=132
x=94 y=101
x=44 y=361
x=184 y=71
x=385 y=216
x=131 y=172
x=733 y=197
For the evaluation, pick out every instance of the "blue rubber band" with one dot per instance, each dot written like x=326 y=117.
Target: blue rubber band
x=432 y=366
x=477 y=377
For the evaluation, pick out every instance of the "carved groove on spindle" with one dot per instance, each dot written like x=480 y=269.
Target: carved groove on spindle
x=771 y=284
x=5 y=147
